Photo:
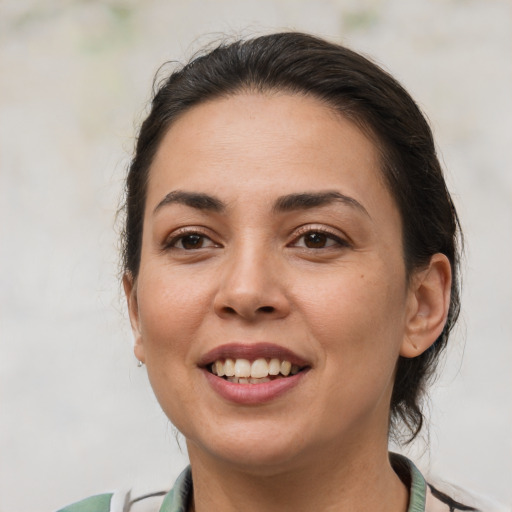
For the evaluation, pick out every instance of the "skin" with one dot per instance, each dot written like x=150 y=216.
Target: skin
x=345 y=306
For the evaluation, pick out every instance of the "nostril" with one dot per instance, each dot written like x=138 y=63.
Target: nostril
x=247 y=312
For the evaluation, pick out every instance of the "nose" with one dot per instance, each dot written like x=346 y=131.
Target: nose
x=252 y=287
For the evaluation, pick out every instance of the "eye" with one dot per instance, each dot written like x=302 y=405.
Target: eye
x=318 y=239
x=191 y=241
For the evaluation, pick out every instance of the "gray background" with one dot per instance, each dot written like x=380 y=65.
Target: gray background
x=77 y=417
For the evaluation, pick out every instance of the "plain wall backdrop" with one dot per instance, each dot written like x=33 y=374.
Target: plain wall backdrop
x=77 y=416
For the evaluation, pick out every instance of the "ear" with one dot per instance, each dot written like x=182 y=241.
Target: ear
x=130 y=290
x=429 y=300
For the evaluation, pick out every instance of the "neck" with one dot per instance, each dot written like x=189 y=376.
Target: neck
x=353 y=480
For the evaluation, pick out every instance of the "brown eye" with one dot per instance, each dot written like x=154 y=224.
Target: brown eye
x=319 y=240
x=191 y=242
x=315 y=240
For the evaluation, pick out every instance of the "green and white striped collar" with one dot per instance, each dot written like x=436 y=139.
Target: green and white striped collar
x=177 y=498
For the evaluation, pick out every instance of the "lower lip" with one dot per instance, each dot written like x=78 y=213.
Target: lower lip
x=253 y=394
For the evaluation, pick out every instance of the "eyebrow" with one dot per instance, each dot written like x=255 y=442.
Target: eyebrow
x=287 y=203
x=195 y=200
x=307 y=200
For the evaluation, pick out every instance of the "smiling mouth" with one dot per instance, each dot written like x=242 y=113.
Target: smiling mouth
x=259 y=371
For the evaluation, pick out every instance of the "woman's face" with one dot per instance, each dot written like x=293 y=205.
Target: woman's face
x=269 y=235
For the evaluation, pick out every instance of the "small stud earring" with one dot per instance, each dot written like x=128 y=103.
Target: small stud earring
x=140 y=364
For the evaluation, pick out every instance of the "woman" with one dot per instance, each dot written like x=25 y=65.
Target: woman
x=291 y=270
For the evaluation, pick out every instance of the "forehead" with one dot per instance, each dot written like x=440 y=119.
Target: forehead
x=251 y=145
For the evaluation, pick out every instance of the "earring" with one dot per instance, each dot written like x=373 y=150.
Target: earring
x=140 y=364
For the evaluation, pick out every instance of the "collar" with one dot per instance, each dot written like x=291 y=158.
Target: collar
x=413 y=480
x=176 y=500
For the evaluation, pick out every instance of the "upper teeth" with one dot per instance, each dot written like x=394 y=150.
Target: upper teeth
x=258 y=369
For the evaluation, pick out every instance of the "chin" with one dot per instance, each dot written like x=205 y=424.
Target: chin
x=255 y=448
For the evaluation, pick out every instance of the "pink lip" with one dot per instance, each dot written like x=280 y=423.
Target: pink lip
x=252 y=394
x=251 y=352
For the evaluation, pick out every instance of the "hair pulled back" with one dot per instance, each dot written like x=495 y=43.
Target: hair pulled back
x=360 y=91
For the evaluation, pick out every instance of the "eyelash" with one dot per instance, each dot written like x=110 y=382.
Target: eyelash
x=305 y=230
x=171 y=242
x=302 y=232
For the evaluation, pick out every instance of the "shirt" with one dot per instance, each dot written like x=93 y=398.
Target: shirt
x=422 y=496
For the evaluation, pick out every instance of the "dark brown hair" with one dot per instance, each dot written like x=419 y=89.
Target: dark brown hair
x=357 y=89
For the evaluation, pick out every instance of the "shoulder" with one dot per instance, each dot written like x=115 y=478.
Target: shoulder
x=452 y=497
x=436 y=495
x=98 y=503
x=174 y=500
x=118 y=502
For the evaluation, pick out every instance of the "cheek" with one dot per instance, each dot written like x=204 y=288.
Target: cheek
x=356 y=318
x=172 y=306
